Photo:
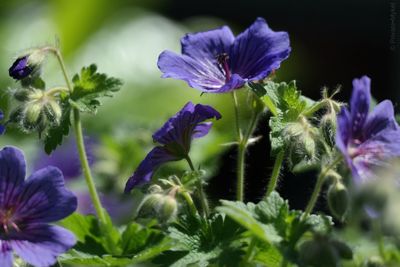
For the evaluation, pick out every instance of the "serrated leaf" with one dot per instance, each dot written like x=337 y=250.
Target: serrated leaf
x=89 y=85
x=202 y=243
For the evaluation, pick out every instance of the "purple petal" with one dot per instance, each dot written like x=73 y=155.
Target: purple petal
x=207 y=46
x=12 y=174
x=381 y=118
x=6 y=255
x=20 y=68
x=359 y=104
x=156 y=157
x=44 y=198
x=235 y=82
x=201 y=129
x=258 y=51
x=343 y=133
x=203 y=76
x=39 y=245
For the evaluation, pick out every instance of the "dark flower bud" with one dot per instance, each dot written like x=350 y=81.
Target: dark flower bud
x=338 y=200
x=21 y=95
x=27 y=64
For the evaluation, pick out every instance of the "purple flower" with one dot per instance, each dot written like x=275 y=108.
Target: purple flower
x=367 y=139
x=174 y=138
x=26 y=209
x=20 y=68
x=217 y=62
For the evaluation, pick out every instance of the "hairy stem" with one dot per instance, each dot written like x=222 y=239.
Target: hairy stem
x=318 y=187
x=190 y=202
x=273 y=182
x=200 y=189
x=81 y=146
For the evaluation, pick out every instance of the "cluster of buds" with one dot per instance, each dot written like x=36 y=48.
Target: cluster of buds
x=39 y=109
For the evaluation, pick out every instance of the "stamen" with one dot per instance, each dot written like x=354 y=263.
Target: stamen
x=222 y=60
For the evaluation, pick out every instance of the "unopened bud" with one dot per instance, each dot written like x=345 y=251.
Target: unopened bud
x=27 y=64
x=21 y=95
x=155 y=188
x=301 y=136
x=338 y=200
x=328 y=127
x=32 y=116
x=168 y=209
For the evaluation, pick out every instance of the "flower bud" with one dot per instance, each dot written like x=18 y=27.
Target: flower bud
x=168 y=209
x=40 y=111
x=154 y=189
x=27 y=64
x=328 y=128
x=300 y=137
x=21 y=95
x=338 y=200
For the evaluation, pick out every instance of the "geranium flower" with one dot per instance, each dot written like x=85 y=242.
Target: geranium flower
x=217 y=62
x=174 y=138
x=26 y=209
x=367 y=139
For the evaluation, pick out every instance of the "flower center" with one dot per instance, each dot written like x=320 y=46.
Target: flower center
x=222 y=60
x=7 y=220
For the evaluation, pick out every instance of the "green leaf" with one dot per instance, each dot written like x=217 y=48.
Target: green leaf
x=244 y=217
x=201 y=243
x=54 y=136
x=286 y=104
x=89 y=85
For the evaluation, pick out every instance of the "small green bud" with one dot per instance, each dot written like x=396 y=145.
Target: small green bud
x=32 y=116
x=21 y=95
x=39 y=111
x=338 y=200
x=168 y=209
x=328 y=127
x=154 y=189
x=300 y=137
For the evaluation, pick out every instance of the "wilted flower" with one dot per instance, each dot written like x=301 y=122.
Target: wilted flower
x=26 y=209
x=217 y=62
x=174 y=138
x=27 y=64
x=367 y=140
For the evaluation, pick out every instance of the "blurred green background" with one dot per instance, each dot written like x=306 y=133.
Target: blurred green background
x=332 y=41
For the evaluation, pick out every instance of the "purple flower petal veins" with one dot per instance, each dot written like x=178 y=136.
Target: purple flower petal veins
x=217 y=62
x=26 y=208
x=367 y=139
x=175 y=138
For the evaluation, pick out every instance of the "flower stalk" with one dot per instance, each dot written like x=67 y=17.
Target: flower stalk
x=273 y=182
x=81 y=145
x=202 y=195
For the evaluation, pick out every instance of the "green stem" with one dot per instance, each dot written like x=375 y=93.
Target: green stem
x=202 y=195
x=249 y=253
x=81 y=146
x=190 y=202
x=314 y=108
x=317 y=188
x=240 y=172
x=237 y=123
x=273 y=182
x=86 y=169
